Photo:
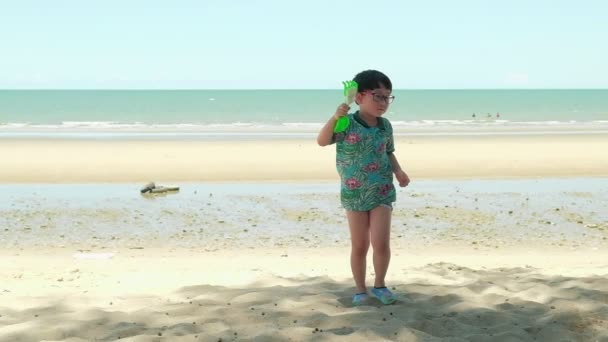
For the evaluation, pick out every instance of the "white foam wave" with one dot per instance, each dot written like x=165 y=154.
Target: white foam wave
x=82 y=128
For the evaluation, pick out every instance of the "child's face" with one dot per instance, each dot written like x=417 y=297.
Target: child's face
x=375 y=102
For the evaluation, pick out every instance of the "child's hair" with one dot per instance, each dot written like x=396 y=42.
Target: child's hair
x=372 y=79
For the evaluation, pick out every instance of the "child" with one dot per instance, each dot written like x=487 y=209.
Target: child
x=366 y=163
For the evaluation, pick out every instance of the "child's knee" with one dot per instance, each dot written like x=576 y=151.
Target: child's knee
x=383 y=247
x=360 y=247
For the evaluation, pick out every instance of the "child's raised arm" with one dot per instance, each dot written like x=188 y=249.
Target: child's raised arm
x=325 y=136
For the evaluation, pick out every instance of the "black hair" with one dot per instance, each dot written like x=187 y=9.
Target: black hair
x=372 y=79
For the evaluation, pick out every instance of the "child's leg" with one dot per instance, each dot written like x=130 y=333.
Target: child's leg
x=358 y=222
x=380 y=231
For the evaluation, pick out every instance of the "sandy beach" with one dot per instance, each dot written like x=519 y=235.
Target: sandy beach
x=497 y=239
x=456 y=157
x=302 y=295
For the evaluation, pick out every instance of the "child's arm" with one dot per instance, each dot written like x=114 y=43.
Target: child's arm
x=327 y=132
x=402 y=177
x=394 y=162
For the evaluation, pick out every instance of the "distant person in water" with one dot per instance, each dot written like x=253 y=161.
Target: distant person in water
x=498 y=115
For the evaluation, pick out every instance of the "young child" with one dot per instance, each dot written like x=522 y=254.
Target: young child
x=366 y=163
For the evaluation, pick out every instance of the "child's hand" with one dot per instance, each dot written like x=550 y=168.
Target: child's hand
x=341 y=111
x=402 y=177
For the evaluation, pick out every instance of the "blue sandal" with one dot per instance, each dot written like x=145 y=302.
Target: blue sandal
x=384 y=295
x=360 y=298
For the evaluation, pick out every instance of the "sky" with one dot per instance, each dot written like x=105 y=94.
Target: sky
x=312 y=44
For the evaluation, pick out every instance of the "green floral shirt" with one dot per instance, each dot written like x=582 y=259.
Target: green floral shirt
x=362 y=160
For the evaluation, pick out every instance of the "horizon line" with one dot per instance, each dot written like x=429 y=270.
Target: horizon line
x=268 y=89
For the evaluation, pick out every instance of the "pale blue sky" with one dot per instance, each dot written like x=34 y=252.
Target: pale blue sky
x=278 y=44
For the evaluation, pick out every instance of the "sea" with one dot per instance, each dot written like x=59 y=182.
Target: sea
x=230 y=114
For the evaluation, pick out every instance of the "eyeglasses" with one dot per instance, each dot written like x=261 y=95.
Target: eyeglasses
x=382 y=98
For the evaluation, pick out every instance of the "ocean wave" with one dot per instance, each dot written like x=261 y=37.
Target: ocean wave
x=415 y=123
x=431 y=127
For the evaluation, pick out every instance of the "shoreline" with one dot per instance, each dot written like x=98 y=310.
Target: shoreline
x=480 y=216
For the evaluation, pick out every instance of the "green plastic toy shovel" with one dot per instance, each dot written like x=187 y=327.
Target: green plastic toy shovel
x=350 y=91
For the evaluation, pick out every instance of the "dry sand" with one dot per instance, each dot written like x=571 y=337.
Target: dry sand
x=302 y=295
x=69 y=161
